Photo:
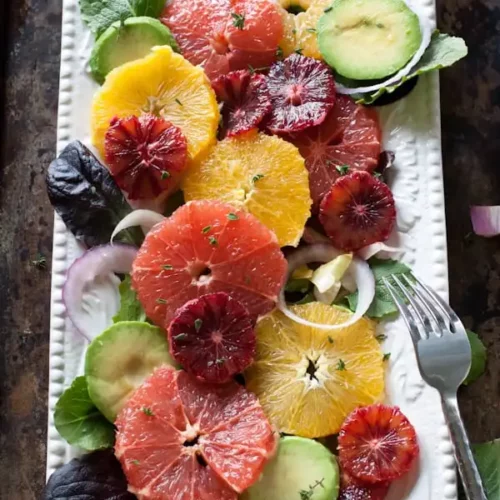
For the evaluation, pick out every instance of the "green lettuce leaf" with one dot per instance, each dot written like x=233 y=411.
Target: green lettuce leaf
x=78 y=420
x=130 y=308
x=101 y=14
x=487 y=457
x=443 y=51
x=478 y=364
x=382 y=305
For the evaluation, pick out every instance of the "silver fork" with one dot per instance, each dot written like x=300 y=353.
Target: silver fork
x=444 y=358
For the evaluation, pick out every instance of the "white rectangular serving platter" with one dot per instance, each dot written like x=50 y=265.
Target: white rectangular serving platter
x=412 y=130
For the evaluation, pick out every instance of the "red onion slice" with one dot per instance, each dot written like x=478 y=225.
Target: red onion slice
x=90 y=292
x=359 y=270
x=426 y=30
x=485 y=220
x=147 y=219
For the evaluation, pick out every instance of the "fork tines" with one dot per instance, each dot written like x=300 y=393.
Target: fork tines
x=423 y=310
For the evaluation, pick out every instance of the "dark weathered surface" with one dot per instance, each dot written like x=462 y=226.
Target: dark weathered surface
x=471 y=148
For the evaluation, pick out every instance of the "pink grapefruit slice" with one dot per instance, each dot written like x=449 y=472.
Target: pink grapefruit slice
x=181 y=439
x=225 y=35
x=350 y=135
x=206 y=247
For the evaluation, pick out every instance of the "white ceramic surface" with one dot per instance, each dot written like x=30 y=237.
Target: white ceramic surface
x=412 y=130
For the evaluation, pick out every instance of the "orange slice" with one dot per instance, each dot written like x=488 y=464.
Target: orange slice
x=262 y=174
x=165 y=84
x=300 y=29
x=308 y=380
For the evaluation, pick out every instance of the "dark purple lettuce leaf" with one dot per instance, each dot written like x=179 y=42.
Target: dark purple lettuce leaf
x=96 y=476
x=86 y=197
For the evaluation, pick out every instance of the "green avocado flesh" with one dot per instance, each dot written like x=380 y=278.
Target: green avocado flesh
x=127 y=41
x=300 y=465
x=368 y=39
x=120 y=359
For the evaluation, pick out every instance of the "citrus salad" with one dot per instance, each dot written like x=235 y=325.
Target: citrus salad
x=236 y=219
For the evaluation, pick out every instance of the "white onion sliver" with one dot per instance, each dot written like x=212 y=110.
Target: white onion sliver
x=90 y=292
x=485 y=220
x=426 y=30
x=371 y=250
x=359 y=270
x=147 y=219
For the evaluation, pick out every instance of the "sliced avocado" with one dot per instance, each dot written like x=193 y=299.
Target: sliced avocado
x=302 y=468
x=127 y=41
x=120 y=359
x=368 y=39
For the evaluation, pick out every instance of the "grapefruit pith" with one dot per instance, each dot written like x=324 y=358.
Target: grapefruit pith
x=225 y=35
x=177 y=438
x=207 y=247
x=350 y=135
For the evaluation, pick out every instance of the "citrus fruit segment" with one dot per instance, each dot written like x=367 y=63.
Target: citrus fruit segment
x=164 y=84
x=120 y=359
x=300 y=26
x=206 y=247
x=172 y=439
x=226 y=35
x=351 y=489
x=245 y=101
x=212 y=337
x=359 y=210
x=350 y=135
x=274 y=188
x=377 y=443
x=302 y=468
x=302 y=92
x=145 y=155
x=308 y=380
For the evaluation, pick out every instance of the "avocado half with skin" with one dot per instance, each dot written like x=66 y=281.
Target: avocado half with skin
x=368 y=39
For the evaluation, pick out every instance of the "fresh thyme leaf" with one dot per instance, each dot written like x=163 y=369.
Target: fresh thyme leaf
x=307 y=494
x=299 y=51
x=197 y=324
x=181 y=336
x=279 y=52
x=40 y=262
x=147 y=411
x=179 y=102
x=342 y=170
x=161 y=301
x=257 y=177
x=165 y=174
x=135 y=462
x=232 y=216
x=381 y=337
x=386 y=356
x=167 y=267
x=341 y=365
x=330 y=339
x=212 y=240
x=238 y=20
x=206 y=229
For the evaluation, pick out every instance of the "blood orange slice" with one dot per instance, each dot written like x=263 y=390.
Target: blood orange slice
x=212 y=337
x=177 y=438
x=206 y=247
x=350 y=135
x=225 y=35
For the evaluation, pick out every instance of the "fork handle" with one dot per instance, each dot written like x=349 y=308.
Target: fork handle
x=469 y=473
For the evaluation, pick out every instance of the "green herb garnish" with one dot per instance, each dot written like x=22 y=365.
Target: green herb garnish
x=178 y=102
x=197 y=324
x=257 y=177
x=341 y=365
x=386 y=356
x=212 y=240
x=206 y=229
x=40 y=262
x=181 y=336
x=343 y=169
x=238 y=20
x=147 y=411
x=232 y=216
